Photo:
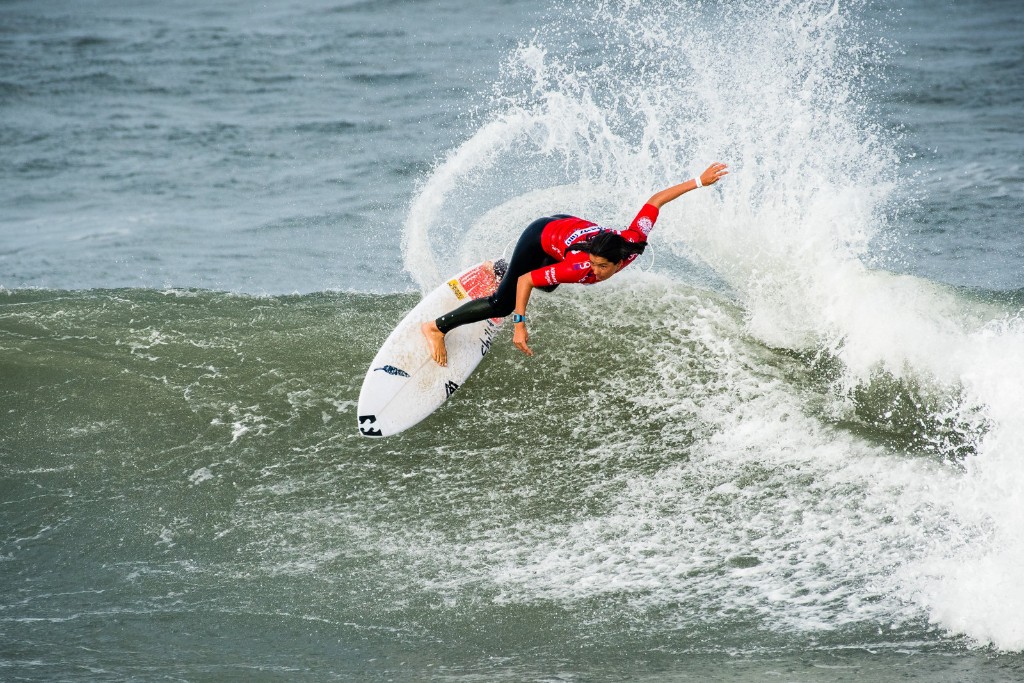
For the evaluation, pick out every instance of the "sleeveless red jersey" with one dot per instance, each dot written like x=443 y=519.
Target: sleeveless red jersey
x=560 y=234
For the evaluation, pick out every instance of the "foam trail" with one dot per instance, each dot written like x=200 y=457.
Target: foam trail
x=426 y=212
x=977 y=591
x=795 y=254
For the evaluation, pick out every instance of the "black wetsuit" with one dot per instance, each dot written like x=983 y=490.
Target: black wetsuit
x=529 y=255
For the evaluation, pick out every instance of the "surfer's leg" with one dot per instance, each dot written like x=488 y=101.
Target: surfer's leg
x=528 y=255
x=469 y=312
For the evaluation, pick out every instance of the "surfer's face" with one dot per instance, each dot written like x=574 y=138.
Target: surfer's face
x=603 y=268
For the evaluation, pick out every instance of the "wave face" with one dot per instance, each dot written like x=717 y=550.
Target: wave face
x=881 y=482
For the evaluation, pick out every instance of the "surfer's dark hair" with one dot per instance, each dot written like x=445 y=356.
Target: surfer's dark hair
x=609 y=245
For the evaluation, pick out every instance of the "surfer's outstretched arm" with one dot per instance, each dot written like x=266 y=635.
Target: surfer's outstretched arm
x=520 y=335
x=711 y=176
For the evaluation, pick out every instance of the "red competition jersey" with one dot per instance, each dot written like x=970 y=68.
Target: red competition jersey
x=559 y=234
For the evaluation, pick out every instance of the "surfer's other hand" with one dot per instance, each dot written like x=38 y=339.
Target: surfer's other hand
x=714 y=173
x=519 y=338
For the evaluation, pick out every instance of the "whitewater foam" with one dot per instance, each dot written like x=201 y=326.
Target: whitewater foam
x=842 y=529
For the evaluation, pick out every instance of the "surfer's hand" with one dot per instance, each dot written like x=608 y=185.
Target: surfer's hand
x=713 y=174
x=519 y=338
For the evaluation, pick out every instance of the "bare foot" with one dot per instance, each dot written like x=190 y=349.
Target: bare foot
x=435 y=338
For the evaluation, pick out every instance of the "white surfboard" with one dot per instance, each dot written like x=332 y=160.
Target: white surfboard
x=403 y=384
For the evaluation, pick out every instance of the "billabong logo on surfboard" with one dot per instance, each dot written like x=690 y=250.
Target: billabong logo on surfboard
x=449 y=388
x=392 y=370
x=368 y=426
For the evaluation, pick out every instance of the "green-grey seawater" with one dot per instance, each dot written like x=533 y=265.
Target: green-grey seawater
x=186 y=497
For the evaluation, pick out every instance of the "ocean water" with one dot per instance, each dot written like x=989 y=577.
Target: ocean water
x=787 y=445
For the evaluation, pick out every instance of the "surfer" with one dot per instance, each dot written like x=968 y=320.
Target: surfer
x=556 y=250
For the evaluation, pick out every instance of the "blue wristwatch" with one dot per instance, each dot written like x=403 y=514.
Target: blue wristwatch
x=516 y=318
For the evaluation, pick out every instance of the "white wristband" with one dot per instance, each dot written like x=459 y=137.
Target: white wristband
x=697 y=180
